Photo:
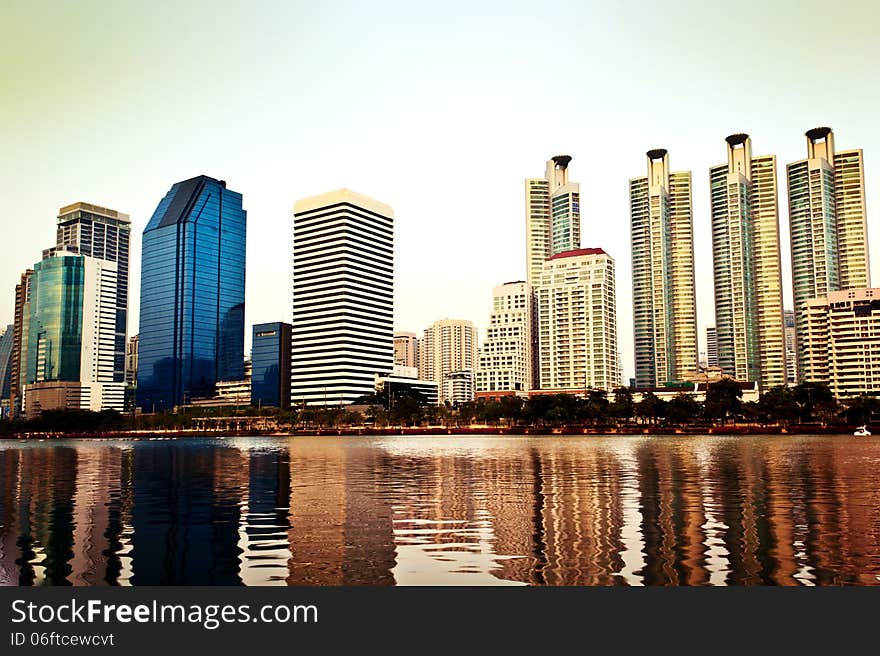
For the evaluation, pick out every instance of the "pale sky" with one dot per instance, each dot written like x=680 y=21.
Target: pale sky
x=441 y=112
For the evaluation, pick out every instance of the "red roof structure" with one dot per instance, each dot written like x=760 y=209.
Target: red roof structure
x=578 y=252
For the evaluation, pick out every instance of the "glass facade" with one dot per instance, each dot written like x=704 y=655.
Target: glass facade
x=643 y=302
x=192 y=294
x=6 y=361
x=104 y=234
x=565 y=221
x=813 y=225
x=553 y=216
x=55 y=319
x=270 y=357
x=734 y=266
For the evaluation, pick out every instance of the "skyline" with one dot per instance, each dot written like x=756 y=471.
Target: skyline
x=278 y=125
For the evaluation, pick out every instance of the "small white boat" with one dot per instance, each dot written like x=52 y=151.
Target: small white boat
x=862 y=431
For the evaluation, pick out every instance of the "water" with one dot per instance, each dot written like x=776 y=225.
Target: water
x=615 y=510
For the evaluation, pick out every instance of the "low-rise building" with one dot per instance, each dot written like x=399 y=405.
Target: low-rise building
x=697 y=390
x=406 y=349
x=791 y=367
x=69 y=334
x=448 y=345
x=506 y=359
x=577 y=322
x=72 y=395
x=458 y=387
x=270 y=356
x=131 y=361
x=227 y=392
x=404 y=378
x=842 y=341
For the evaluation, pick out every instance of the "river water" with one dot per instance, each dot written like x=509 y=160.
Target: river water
x=451 y=510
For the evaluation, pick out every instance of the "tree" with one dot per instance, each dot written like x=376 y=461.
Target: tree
x=811 y=398
x=536 y=409
x=827 y=410
x=377 y=415
x=557 y=416
x=309 y=416
x=860 y=409
x=331 y=416
x=288 y=417
x=778 y=405
x=490 y=412
x=555 y=409
x=511 y=408
x=77 y=421
x=565 y=408
x=751 y=413
x=723 y=399
x=431 y=415
x=407 y=410
x=683 y=408
x=623 y=406
x=651 y=407
x=596 y=407
x=352 y=418
x=468 y=412
x=371 y=399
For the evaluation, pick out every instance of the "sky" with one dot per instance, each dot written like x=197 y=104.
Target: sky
x=440 y=110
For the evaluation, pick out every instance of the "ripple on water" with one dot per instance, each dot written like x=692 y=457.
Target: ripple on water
x=481 y=510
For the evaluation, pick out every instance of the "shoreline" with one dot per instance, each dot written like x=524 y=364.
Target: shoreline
x=516 y=431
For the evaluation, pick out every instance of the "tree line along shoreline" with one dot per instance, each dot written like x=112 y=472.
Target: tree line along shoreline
x=805 y=408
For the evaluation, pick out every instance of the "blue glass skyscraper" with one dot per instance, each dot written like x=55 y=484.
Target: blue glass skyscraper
x=6 y=342
x=270 y=357
x=192 y=294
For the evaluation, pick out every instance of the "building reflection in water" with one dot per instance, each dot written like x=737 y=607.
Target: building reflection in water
x=340 y=530
x=435 y=511
x=263 y=530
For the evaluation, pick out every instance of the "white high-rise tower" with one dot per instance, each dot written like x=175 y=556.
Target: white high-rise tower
x=553 y=215
x=747 y=265
x=448 y=346
x=829 y=226
x=343 y=297
x=577 y=322
x=664 y=296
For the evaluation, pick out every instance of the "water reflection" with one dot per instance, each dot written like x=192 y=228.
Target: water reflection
x=436 y=511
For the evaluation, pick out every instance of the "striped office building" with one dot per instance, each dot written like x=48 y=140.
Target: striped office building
x=343 y=297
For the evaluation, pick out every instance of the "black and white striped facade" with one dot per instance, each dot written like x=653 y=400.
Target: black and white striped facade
x=343 y=297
